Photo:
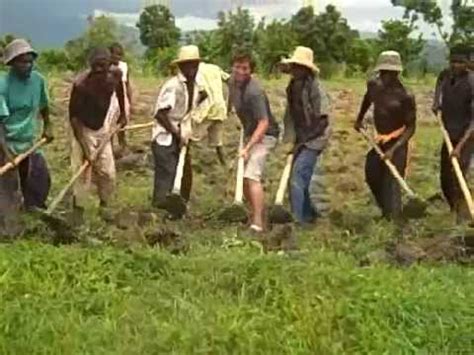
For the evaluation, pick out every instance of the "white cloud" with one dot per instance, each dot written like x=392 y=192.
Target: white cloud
x=190 y=23
x=364 y=15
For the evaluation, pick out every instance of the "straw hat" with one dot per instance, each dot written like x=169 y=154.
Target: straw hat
x=16 y=48
x=390 y=61
x=302 y=56
x=187 y=54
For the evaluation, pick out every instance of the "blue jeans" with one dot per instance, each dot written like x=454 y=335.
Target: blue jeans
x=303 y=168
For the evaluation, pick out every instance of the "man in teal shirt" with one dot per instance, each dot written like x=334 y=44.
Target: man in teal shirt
x=23 y=98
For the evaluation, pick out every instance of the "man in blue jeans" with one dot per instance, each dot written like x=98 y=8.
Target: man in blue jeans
x=307 y=127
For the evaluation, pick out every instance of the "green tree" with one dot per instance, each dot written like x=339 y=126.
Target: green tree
x=274 y=42
x=337 y=36
x=462 y=13
x=397 y=35
x=158 y=29
x=208 y=43
x=303 y=24
x=328 y=33
x=56 y=59
x=235 y=32
x=160 y=62
x=362 y=55
x=4 y=41
x=102 y=31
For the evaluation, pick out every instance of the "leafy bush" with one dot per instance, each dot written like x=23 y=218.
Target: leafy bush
x=102 y=32
x=54 y=59
x=159 y=61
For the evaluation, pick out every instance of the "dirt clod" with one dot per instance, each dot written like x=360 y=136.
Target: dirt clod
x=279 y=215
x=169 y=240
x=146 y=218
x=176 y=206
x=415 y=208
x=126 y=219
x=280 y=238
x=233 y=214
x=435 y=249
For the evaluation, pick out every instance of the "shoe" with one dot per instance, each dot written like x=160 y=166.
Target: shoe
x=256 y=229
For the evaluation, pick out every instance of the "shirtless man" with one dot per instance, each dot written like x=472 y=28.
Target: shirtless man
x=394 y=119
x=96 y=106
x=456 y=103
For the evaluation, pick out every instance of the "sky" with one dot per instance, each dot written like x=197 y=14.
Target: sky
x=53 y=21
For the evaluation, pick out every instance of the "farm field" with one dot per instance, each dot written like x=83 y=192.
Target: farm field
x=140 y=284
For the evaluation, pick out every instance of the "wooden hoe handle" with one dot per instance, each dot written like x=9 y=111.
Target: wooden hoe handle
x=457 y=169
x=285 y=177
x=389 y=164
x=239 y=185
x=19 y=158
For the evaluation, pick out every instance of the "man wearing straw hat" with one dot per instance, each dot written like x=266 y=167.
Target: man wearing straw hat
x=456 y=103
x=96 y=106
x=395 y=121
x=177 y=97
x=23 y=97
x=260 y=132
x=306 y=127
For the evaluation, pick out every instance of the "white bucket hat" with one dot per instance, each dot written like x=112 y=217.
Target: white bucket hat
x=187 y=54
x=16 y=48
x=390 y=61
x=302 y=56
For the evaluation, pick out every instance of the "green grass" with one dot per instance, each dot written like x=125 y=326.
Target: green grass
x=83 y=300
x=222 y=297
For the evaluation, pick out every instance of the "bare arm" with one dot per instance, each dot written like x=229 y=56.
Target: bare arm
x=469 y=132
x=77 y=131
x=44 y=111
x=259 y=133
x=75 y=102
x=259 y=105
x=129 y=89
x=366 y=103
x=3 y=143
x=48 y=127
x=120 y=92
x=162 y=118
x=437 y=95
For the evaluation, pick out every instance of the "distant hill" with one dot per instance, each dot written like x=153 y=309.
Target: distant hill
x=435 y=51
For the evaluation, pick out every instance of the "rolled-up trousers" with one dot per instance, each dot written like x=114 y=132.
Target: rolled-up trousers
x=383 y=185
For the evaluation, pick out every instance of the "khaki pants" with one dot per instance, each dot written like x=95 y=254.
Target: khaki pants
x=102 y=173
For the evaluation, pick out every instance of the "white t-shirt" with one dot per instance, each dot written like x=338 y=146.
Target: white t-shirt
x=124 y=68
x=174 y=96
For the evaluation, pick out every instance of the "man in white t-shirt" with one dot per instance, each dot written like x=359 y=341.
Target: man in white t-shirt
x=178 y=96
x=117 y=53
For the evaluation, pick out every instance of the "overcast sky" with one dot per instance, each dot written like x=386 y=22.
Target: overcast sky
x=52 y=22
x=364 y=15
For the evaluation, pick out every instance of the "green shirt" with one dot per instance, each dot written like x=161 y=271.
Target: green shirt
x=20 y=103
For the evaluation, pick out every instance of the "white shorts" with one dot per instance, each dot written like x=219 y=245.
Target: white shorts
x=255 y=165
